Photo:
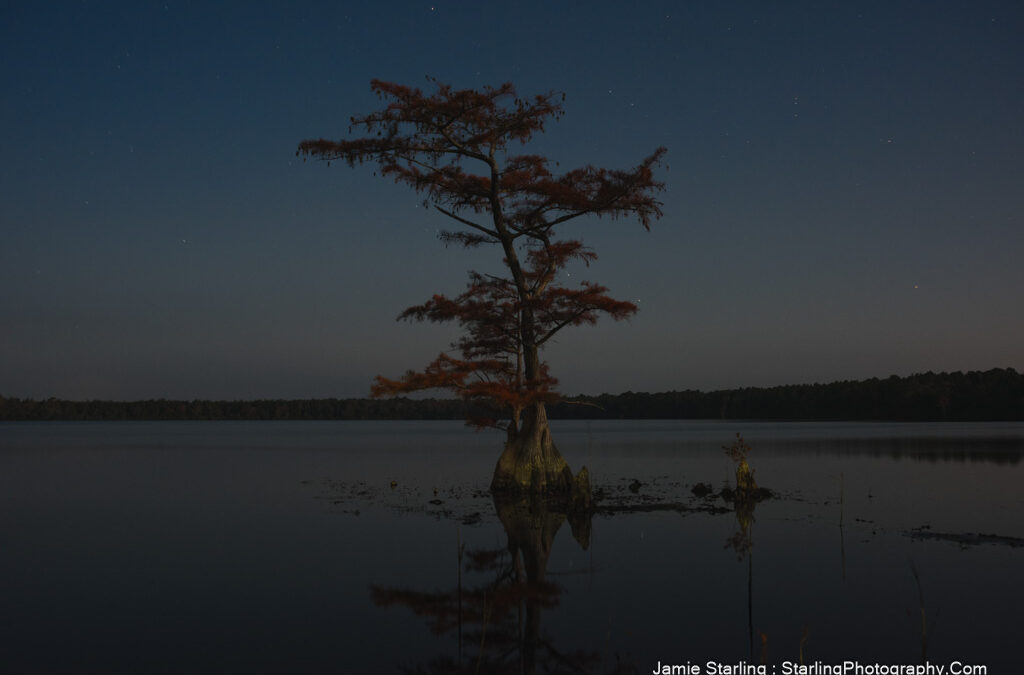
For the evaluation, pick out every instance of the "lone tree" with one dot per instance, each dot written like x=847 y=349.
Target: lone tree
x=457 y=147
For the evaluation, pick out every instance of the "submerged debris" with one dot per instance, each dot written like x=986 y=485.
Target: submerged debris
x=472 y=505
x=965 y=539
x=751 y=496
x=702 y=490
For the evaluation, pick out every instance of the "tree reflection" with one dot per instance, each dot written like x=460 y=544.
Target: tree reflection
x=496 y=622
x=743 y=543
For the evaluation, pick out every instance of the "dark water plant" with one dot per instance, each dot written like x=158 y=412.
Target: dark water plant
x=746 y=486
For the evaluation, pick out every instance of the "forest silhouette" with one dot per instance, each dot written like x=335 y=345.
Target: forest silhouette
x=992 y=395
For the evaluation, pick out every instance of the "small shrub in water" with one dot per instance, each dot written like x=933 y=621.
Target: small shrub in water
x=737 y=452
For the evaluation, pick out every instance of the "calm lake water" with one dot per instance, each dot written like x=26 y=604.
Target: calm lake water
x=282 y=547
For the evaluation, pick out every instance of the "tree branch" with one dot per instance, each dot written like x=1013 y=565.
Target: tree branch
x=572 y=319
x=467 y=223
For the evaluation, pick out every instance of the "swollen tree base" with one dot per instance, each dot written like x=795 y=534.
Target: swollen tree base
x=531 y=464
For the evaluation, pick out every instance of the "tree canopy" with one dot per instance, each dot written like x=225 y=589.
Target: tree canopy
x=460 y=149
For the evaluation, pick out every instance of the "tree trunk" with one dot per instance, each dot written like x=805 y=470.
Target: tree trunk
x=530 y=462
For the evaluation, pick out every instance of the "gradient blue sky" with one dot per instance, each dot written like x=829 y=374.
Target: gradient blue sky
x=844 y=190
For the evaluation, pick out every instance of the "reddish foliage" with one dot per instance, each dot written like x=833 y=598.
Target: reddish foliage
x=427 y=142
x=738 y=451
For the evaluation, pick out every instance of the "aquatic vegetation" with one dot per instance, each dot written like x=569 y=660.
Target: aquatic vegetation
x=746 y=486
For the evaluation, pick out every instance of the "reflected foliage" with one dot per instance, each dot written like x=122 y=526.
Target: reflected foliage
x=494 y=613
x=742 y=542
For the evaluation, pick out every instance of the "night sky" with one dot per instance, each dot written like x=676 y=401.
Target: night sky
x=844 y=191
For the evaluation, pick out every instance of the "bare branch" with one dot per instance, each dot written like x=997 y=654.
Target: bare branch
x=468 y=223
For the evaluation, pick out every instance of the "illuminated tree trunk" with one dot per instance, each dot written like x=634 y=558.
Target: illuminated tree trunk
x=530 y=461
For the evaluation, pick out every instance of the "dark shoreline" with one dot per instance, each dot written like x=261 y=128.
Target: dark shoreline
x=976 y=396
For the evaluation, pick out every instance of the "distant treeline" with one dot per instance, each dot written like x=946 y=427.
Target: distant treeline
x=996 y=394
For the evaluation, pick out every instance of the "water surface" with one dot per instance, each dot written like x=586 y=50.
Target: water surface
x=283 y=547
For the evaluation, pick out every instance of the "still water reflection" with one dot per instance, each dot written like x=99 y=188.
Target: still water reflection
x=283 y=547
x=495 y=610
